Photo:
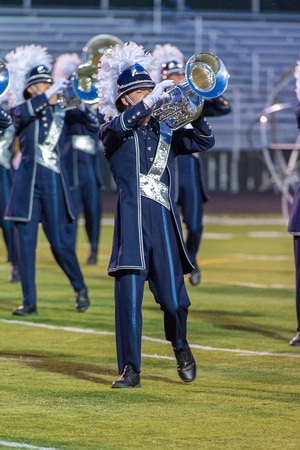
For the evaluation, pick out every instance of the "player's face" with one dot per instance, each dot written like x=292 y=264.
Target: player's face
x=39 y=87
x=139 y=94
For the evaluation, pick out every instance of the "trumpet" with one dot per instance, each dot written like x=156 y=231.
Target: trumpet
x=206 y=77
x=4 y=77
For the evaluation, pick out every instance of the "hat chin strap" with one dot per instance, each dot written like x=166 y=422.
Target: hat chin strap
x=35 y=90
x=129 y=100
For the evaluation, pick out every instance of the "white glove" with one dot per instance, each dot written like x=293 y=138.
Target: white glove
x=158 y=93
x=57 y=88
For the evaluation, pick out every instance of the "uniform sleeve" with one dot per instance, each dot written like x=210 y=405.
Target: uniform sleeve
x=114 y=132
x=298 y=115
x=86 y=118
x=5 y=120
x=214 y=107
x=198 y=138
x=29 y=111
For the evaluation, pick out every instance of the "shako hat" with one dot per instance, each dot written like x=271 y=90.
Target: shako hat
x=121 y=70
x=134 y=77
x=39 y=74
x=27 y=65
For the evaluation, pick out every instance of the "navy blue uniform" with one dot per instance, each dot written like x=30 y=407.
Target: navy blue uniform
x=82 y=156
x=294 y=229
x=40 y=193
x=191 y=192
x=148 y=242
x=6 y=138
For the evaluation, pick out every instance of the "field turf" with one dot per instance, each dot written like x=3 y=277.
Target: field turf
x=55 y=379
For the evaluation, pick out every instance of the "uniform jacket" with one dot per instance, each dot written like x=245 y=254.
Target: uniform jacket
x=32 y=120
x=5 y=120
x=81 y=125
x=213 y=107
x=124 y=142
x=6 y=138
x=294 y=221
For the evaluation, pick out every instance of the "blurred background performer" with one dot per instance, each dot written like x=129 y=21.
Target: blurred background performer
x=294 y=221
x=148 y=243
x=40 y=191
x=82 y=157
x=190 y=192
x=7 y=133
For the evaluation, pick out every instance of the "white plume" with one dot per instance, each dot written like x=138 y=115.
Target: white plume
x=164 y=54
x=297 y=76
x=19 y=62
x=112 y=63
x=65 y=65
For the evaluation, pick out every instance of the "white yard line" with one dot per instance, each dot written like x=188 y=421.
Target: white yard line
x=222 y=220
x=147 y=338
x=20 y=445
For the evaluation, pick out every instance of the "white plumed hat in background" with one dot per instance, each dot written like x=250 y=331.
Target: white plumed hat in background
x=169 y=60
x=65 y=65
x=297 y=76
x=20 y=64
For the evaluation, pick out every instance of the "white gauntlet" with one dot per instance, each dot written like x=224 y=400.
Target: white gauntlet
x=158 y=93
x=57 y=88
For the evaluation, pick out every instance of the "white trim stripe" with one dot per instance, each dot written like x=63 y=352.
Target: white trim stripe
x=18 y=445
x=147 y=338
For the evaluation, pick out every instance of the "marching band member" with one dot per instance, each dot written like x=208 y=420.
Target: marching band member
x=40 y=187
x=191 y=192
x=82 y=156
x=7 y=133
x=147 y=242
x=294 y=221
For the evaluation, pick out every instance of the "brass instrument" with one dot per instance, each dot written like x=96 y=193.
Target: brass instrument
x=206 y=77
x=83 y=82
x=4 y=77
x=95 y=48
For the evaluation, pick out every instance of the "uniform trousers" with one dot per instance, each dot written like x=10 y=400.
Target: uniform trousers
x=87 y=197
x=49 y=208
x=7 y=227
x=164 y=273
x=191 y=202
x=297 y=264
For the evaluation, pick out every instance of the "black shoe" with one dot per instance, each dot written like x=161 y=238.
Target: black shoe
x=186 y=366
x=129 y=379
x=14 y=275
x=92 y=259
x=195 y=276
x=25 y=310
x=82 y=301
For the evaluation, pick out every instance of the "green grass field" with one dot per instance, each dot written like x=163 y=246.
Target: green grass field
x=55 y=383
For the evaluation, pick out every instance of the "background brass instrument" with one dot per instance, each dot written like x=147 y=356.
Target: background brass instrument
x=4 y=77
x=97 y=46
x=82 y=87
x=206 y=77
x=84 y=80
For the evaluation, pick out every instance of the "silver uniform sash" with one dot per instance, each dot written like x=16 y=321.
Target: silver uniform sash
x=46 y=154
x=5 y=141
x=85 y=143
x=150 y=184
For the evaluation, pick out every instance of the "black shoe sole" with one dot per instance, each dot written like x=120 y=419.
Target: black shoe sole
x=21 y=314
x=114 y=386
